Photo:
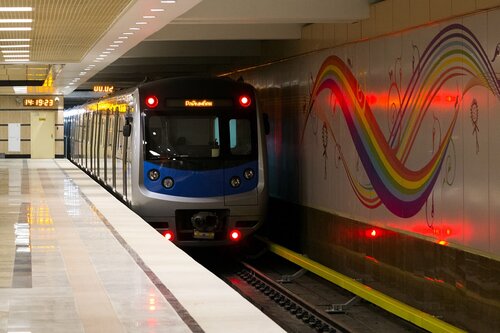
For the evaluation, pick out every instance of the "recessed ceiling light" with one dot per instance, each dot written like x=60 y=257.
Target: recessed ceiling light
x=149 y=17
x=12 y=46
x=16 y=60
x=134 y=28
x=167 y=1
x=118 y=41
x=141 y=23
x=16 y=9
x=20 y=89
x=128 y=33
x=157 y=10
x=15 y=29
x=123 y=37
x=106 y=52
x=99 y=58
x=14 y=39
x=114 y=45
x=16 y=56
x=110 y=49
x=16 y=20
x=15 y=51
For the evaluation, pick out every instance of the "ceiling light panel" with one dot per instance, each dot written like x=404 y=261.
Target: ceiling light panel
x=54 y=40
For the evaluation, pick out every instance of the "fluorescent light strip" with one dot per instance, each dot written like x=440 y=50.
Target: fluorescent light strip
x=157 y=10
x=14 y=39
x=20 y=89
x=16 y=56
x=12 y=46
x=15 y=29
x=141 y=23
x=16 y=60
x=15 y=51
x=149 y=17
x=16 y=9
x=16 y=20
x=128 y=33
x=168 y=1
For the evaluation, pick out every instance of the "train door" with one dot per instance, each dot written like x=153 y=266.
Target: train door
x=128 y=158
x=105 y=146
x=111 y=151
x=90 y=160
x=119 y=154
x=101 y=144
x=84 y=140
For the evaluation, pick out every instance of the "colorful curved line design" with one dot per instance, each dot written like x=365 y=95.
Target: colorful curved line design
x=453 y=52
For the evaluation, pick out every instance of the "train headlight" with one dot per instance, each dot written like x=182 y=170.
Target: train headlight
x=153 y=174
x=235 y=181
x=248 y=174
x=168 y=182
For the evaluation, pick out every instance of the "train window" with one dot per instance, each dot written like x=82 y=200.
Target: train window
x=182 y=136
x=240 y=137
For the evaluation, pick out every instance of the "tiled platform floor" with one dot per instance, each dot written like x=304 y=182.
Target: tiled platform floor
x=75 y=259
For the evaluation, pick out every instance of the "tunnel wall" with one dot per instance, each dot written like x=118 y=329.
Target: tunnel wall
x=387 y=150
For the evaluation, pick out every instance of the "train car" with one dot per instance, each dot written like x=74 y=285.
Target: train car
x=187 y=154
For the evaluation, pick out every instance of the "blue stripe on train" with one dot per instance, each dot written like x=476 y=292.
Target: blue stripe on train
x=199 y=184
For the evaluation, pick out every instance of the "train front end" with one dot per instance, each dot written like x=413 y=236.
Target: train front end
x=202 y=178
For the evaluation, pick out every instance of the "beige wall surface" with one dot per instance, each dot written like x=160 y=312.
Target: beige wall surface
x=12 y=111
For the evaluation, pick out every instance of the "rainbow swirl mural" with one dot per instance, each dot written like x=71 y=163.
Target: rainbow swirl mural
x=454 y=52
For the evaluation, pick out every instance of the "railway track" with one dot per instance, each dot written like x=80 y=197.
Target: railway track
x=297 y=300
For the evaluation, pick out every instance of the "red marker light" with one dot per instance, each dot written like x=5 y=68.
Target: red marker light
x=372 y=232
x=245 y=101
x=169 y=235
x=235 y=235
x=151 y=101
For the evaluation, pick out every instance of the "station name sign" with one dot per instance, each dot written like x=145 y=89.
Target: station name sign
x=199 y=104
x=45 y=102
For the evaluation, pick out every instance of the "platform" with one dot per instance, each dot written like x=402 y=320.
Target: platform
x=75 y=259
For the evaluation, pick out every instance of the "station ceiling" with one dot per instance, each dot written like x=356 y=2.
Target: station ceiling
x=68 y=46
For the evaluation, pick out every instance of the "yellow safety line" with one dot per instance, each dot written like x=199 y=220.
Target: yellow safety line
x=415 y=316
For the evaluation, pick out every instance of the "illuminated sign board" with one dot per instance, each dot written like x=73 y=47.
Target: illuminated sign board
x=104 y=89
x=45 y=102
x=199 y=104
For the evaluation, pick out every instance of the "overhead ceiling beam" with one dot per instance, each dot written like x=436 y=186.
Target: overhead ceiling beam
x=276 y=11
x=228 y=32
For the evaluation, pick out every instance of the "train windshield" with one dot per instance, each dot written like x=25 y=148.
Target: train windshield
x=179 y=136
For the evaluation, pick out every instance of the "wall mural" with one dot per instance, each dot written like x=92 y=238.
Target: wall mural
x=453 y=53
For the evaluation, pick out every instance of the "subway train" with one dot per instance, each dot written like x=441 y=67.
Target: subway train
x=186 y=154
